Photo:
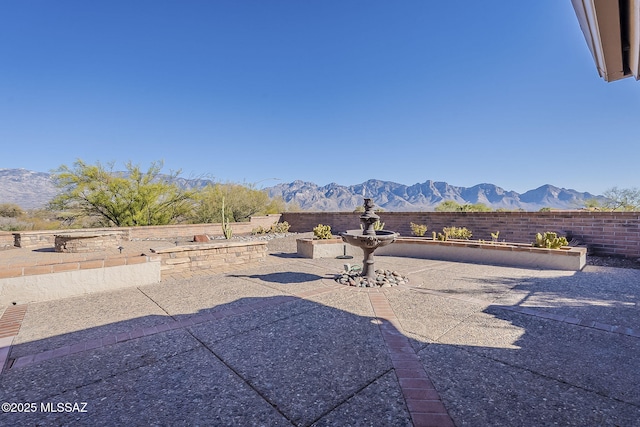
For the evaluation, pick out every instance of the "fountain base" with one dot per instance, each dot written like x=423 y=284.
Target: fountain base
x=381 y=278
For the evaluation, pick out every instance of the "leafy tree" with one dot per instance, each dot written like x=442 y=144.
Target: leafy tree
x=622 y=199
x=121 y=199
x=241 y=202
x=448 y=206
x=476 y=207
x=453 y=206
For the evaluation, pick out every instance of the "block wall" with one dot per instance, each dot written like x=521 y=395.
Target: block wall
x=190 y=230
x=33 y=239
x=605 y=233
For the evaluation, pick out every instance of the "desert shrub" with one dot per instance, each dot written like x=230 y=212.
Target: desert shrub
x=12 y=224
x=322 y=232
x=10 y=210
x=549 y=240
x=418 y=229
x=31 y=220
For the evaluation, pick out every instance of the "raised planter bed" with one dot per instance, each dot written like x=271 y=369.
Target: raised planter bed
x=326 y=248
x=47 y=238
x=508 y=254
x=86 y=242
x=214 y=257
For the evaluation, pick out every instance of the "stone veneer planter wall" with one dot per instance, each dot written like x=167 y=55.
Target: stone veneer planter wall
x=219 y=257
x=605 y=233
x=517 y=255
x=6 y=240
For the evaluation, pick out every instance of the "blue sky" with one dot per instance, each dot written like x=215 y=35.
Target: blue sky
x=497 y=91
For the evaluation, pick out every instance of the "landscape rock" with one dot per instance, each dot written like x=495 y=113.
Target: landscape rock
x=384 y=278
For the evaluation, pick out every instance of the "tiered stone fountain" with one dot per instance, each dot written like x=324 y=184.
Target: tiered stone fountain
x=369 y=239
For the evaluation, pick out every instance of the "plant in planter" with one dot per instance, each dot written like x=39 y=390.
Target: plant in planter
x=454 y=233
x=494 y=236
x=278 y=227
x=549 y=240
x=322 y=232
x=418 y=229
x=226 y=228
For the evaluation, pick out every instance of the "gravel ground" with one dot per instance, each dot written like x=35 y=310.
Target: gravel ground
x=608 y=261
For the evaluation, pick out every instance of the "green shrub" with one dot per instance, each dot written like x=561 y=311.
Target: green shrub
x=549 y=240
x=418 y=229
x=322 y=232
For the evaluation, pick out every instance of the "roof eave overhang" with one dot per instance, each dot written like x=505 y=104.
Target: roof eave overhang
x=612 y=31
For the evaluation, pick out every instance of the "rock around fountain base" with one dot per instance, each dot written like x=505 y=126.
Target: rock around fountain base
x=383 y=278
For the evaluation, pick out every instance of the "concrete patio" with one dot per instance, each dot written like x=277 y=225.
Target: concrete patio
x=281 y=343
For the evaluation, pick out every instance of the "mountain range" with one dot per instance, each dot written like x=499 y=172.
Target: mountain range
x=30 y=190
x=425 y=196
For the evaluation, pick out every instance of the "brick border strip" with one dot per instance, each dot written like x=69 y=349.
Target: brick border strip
x=421 y=397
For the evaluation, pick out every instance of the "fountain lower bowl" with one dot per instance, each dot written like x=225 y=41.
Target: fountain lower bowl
x=381 y=238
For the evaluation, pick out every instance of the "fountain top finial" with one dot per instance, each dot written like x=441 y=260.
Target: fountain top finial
x=368 y=218
x=368 y=203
